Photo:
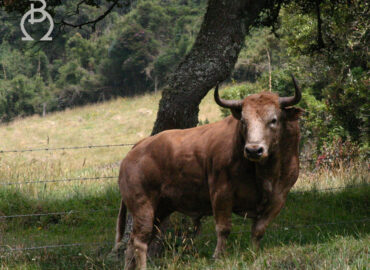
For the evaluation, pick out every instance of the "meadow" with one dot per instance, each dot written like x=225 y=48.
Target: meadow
x=324 y=225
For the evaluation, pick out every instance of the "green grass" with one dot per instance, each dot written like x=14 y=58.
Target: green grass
x=291 y=242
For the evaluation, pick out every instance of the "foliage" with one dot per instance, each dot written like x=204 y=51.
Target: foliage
x=238 y=91
x=128 y=58
x=334 y=74
x=22 y=96
x=349 y=103
x=135 y=48
x=338 y=153
x=130 y=52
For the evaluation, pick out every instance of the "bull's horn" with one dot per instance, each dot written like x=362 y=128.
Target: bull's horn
x=290 y=101
x=231 y=104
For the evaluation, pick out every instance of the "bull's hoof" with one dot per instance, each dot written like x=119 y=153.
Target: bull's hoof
x=113 y=256
x=217 y=255
x=117 y=253
x=156 y=249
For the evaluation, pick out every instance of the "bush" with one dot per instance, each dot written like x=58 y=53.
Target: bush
x=337 y=153
x=22 y=96
x=349 y=104
x=129 y=62
x=78 y=86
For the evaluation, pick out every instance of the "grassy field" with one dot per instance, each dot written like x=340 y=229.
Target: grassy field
x=316 y=230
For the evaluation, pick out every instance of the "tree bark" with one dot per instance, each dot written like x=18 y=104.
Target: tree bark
x=211 y=60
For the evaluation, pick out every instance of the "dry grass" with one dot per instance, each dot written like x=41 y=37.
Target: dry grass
x=124 y=120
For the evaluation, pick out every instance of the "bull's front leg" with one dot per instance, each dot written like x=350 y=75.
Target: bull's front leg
x=221 y=199
x=272 y=209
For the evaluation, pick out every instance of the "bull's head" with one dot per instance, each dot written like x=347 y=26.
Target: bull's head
x=261 y=119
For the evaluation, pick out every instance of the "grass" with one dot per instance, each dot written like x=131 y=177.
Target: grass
x=291 y=242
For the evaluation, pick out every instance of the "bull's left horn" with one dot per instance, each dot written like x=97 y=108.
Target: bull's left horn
x=231 y=104
x=290 y=101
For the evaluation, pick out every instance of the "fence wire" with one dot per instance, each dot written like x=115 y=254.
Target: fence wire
x=91 y=211
x=281 y=227
x=57 y=213
x=13 y=249
x=65 y=148
x=302 y=159
x=58 y=180
x=67 y=245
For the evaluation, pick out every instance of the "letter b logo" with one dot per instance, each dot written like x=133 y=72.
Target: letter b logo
x=32 y=20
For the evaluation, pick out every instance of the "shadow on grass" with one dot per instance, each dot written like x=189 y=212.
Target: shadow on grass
x=303 y=221
x=308 y=218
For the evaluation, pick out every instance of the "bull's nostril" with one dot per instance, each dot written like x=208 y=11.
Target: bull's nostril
x=254 y=151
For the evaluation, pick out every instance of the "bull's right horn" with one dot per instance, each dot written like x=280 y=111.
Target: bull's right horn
x=231 y=104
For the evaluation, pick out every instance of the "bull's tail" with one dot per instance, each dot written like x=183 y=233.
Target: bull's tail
x=121 y=225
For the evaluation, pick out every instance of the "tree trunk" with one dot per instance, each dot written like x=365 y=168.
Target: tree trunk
x=211 y=60
x=155 y=84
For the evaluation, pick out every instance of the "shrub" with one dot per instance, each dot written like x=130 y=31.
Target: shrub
x=22 y=96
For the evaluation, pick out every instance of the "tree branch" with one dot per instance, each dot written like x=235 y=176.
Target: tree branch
x=320 y=41
x=78 y=6
x=93 y=22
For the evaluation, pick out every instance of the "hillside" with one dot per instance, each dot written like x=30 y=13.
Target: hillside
x=120 y=121
x=317 y=229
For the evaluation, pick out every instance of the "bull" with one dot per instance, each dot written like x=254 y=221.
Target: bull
x=245 y=164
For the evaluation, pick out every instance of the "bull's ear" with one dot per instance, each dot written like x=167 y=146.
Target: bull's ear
x=237 y=113
x=292 y=113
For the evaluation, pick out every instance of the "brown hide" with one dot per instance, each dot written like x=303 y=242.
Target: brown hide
x=178 y=168
x=203 y=171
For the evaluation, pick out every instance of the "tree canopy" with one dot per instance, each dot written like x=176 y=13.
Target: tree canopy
x=103 y=49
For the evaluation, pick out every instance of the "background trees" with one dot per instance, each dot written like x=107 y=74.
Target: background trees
x=136 y=48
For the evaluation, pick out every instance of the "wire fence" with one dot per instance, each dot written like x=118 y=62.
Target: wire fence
x=101 y=244
x=102 y=210
x=13 y=249
x=68 y=245
x=11 y=183
x=65 y=148
x=8 y=183
x=58 y=213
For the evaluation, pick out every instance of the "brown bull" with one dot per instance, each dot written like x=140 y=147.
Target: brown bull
x=245 y=164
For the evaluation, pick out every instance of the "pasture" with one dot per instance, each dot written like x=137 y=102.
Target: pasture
x=325 y=224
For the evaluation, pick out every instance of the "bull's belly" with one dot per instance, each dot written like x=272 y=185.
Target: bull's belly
x=189 y=196
x=192 y=198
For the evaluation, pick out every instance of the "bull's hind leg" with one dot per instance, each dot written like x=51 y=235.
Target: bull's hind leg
x=161 y=223
x=222 y=208
x=140 y=237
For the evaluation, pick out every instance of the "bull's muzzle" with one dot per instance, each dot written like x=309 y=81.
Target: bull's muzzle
x=254 y=152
